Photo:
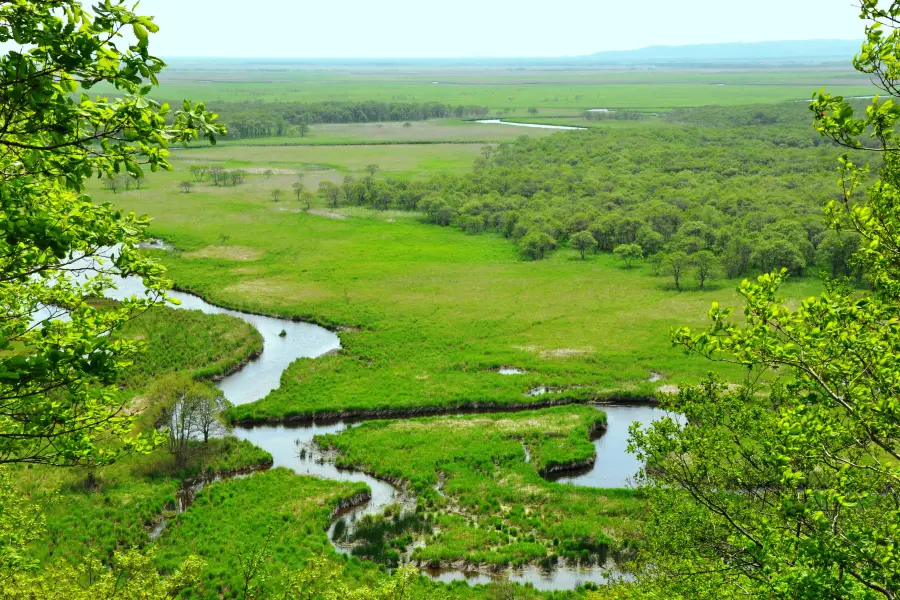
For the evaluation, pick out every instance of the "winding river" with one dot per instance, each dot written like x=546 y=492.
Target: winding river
x=292 y=445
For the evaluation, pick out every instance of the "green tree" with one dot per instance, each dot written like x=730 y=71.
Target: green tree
x=178 y=402
x=532 y=111
x=656 y=261
x=705 y=264
x=302 y=129
x=186 y=187
x=307 y=198
x=536 y=244
x=372 y=169
x=628 y=253
x=237 y=176
x=777 y=252
x=268 y=173
x=330 y=192
x=790 y=491
x=57 y=393
x=649 y=240
x=199 y=172
x=676 y=263
x=736 y=258
x=583 y=241
x=276 y=194
x=836 y=250
x=297 y=186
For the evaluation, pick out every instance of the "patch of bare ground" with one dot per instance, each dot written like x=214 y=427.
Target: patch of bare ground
x=137 y=405
x=225 y=252
x=557 y=352
x=326 y=213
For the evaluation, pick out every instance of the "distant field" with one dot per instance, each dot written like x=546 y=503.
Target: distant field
x=504 y=88
x=399 y=159
x=419 y=132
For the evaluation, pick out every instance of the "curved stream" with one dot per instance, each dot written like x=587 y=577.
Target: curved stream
x=292 y=445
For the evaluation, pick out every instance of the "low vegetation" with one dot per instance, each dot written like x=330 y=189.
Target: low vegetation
x=480 y=500
x=187 y=341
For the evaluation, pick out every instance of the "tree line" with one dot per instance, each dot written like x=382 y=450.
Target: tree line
x=680 y=196
x=277 y=119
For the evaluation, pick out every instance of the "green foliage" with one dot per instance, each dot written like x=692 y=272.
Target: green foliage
x=536 y=244
x=628 y=253
x=254 y=120
x=57 y=374
x=791 y=492
x=583 y=241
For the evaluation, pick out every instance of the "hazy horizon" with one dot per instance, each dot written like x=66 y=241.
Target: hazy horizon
x=412 y=59
x=403 y=29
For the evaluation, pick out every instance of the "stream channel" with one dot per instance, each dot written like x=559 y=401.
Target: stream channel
x=531 y=125
x=291 y=445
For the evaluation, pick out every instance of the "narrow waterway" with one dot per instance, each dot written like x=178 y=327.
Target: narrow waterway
x=262 y=375
x=531 y=125
x=292 y=445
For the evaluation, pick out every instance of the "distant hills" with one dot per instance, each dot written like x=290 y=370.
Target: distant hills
x=698 y=55
x=785 y=51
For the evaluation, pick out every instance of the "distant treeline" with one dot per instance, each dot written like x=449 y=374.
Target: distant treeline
x=729 y=199
x=277 y=119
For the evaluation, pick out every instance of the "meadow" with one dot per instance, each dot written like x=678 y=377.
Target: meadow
x=433 y=131
x=430 y=314
x=505 y=87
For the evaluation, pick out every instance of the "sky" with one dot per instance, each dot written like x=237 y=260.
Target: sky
x=481 y=28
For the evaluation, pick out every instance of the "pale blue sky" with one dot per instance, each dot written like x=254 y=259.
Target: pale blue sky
x=481 y=28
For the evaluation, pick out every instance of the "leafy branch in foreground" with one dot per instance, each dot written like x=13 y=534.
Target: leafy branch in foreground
x=58 y=249
x=794 y=491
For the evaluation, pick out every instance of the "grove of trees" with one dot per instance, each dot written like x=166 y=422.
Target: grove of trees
x=277 y=119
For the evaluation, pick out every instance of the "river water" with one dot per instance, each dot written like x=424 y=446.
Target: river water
x=531 y=125
x=292 y=445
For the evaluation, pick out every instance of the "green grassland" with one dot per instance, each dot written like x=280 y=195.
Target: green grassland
x=242 y=513
x=188 y=341
x=434 y=312
x=485 y=503
x=397 y=160
x=503 y=87
x=435 y=131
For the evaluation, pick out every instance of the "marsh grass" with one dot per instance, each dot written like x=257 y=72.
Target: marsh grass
x=102 y=510
x=485 y=503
